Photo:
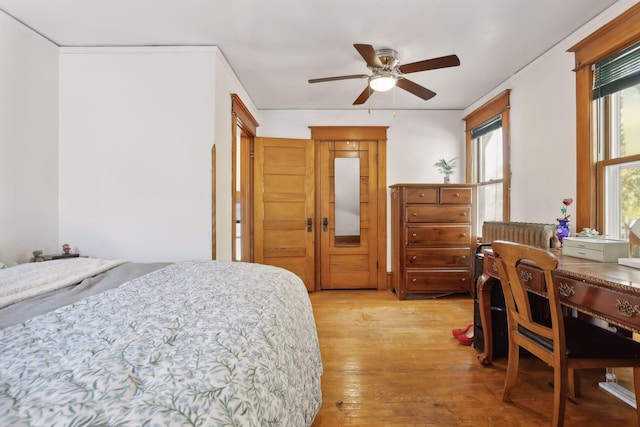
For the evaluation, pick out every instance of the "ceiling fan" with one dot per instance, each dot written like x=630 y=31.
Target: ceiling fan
x=386 y=73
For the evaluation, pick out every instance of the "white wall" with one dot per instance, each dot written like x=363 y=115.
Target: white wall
x=28 y=142
x=136 y=130
x=543 y=127
x=416 y=139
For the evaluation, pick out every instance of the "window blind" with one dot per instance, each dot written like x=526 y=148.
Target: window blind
x=486 y=127
x=618 y=72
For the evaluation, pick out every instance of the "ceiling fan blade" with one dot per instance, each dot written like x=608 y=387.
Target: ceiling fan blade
x=415 y=89
x=363 y=96
x=330 y=79
x=369 y=54
x=430 y=64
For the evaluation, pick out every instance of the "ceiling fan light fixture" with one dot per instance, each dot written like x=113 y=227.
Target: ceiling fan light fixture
x=382 y=82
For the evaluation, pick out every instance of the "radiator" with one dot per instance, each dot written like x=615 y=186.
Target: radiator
x=528 y=233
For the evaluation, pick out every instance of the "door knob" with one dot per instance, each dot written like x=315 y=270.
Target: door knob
x=309 y=225
x=325 y=224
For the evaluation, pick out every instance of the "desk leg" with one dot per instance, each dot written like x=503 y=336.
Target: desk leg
x=484 y=286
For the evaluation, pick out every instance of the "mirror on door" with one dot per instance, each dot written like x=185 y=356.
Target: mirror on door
x=347 y=201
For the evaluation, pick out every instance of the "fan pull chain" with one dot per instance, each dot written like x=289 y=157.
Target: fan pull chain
x=394 y=102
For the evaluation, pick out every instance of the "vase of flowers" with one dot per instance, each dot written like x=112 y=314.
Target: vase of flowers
x=564 y=228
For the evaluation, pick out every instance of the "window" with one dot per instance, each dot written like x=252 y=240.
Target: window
x=617 y=126
x=604 y=158
x=488 y=159
x=487 y=170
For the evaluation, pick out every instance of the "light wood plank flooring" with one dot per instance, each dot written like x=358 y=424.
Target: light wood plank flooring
x=395 y=363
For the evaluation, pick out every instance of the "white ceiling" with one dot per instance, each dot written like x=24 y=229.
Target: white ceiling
x=275 y=46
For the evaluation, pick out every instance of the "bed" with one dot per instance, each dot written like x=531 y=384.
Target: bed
x=198 y=343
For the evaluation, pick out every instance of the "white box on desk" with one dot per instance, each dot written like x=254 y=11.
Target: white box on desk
x=595 y=249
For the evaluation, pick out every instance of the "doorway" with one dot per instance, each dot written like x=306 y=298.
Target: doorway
x=243 y=132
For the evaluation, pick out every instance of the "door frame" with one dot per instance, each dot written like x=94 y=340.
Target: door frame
x=360 y=133
x=243 y=133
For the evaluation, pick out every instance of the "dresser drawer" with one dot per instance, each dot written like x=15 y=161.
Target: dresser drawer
x=603 y=250
x=439 y=235
x=440 y=257
x=489 y=265
x=610 y=303
x=451 y=214
x=532 y=278
x=422 y=195
x=439 y=281
x=584 y=253
x=458 y=196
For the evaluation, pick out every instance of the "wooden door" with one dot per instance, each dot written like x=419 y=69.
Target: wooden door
x=349 y=258
x=284 y=218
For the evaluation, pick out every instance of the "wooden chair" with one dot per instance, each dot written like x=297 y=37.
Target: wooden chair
x=569 y=343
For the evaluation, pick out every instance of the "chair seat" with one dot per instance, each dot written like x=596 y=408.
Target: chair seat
x=585 y=340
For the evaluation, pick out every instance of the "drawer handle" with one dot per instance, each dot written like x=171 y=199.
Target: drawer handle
x=626 y=309
x=414 y=235
x=414 y=214
x=464 y=257
x=566 y=290
x=457 y=195
x=525 y=276
x=414 y=257
x=495 y=266
x=421 y=194
x=464 y=213
x=414 y=280
x=463 y=234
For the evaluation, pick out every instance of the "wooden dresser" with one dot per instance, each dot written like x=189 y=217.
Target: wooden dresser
x=433 y=238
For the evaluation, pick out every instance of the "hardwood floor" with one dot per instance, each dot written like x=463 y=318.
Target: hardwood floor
x=395 y=363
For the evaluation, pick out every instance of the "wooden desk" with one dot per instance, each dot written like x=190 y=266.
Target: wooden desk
x=607 y=291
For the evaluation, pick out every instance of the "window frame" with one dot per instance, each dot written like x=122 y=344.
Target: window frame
x=610 y=39
x=499 y=105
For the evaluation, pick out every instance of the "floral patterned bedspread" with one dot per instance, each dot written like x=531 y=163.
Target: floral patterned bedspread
x=197 y=343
